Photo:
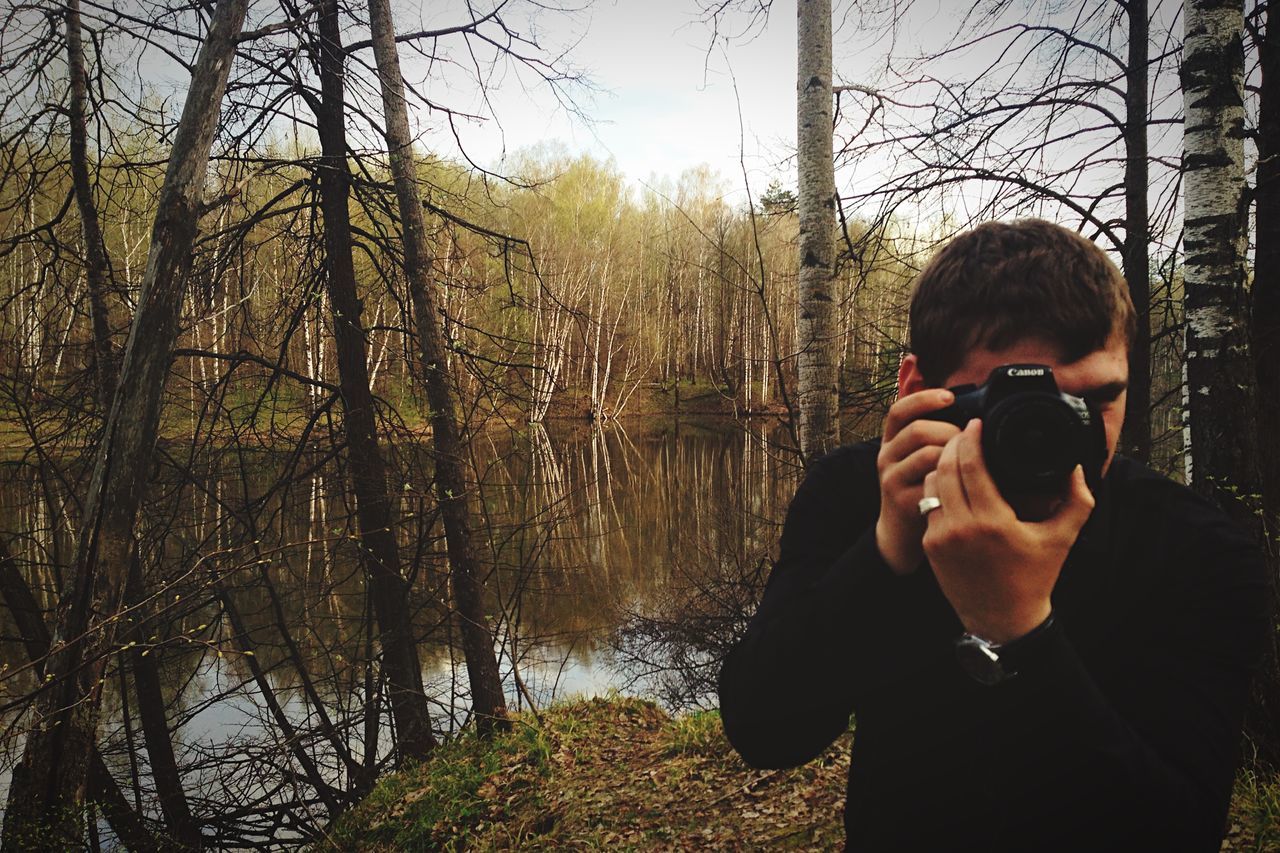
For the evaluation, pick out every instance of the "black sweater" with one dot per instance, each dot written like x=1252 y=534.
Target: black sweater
x=1120 y=731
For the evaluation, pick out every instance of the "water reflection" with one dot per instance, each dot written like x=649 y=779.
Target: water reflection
x=621 y=558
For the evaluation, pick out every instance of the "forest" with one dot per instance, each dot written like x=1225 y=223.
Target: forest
x=323 y=442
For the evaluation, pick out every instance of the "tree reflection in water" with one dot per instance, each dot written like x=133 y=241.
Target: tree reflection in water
x=669 y=642
x=622 y=559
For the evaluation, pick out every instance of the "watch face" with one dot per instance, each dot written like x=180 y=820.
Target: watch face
x=979 y=661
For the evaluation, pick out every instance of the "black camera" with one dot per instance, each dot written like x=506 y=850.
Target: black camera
x=1033 y=435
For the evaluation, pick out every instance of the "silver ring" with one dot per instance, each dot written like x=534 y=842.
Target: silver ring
x=928 y=504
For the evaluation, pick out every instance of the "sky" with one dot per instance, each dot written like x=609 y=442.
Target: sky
x=662 y=96
x=665 y=99
x=658 y=98
x=661 y=101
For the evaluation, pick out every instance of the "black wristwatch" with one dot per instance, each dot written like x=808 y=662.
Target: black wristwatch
x=990 y=663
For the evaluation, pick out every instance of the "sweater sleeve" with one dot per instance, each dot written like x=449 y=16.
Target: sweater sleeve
x=830 y=611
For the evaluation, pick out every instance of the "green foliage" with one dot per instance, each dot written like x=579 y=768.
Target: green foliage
x=777 y=199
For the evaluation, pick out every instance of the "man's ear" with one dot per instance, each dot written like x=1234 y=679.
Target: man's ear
x=910 y=379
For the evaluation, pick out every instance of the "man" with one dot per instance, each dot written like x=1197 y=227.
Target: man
x=1117 y=630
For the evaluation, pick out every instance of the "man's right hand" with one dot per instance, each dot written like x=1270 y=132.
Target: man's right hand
x=909 y=450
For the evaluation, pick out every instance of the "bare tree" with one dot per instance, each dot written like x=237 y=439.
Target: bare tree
x=368 y=471
x=144 y=667
x=1136 y=434
x=1265 y=294
x=95 y=249
x=48 y=789
x=451 y=485
x=101 y=788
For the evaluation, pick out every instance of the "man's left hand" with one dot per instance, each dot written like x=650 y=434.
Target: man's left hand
x=997 y=570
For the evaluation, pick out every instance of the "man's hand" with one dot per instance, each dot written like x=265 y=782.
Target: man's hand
x=909 y=449
x=996 y=570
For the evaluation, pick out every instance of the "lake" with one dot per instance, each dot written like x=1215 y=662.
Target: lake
x=623 y=559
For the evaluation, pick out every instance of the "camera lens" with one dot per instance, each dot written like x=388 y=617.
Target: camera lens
x=1032 y=442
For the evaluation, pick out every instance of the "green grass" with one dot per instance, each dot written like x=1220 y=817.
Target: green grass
x=1254 y=824
x=697 y=733
x=616 y=773
x=439 y=804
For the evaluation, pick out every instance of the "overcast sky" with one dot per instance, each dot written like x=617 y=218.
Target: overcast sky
x=662 y=103
x=661 y=96
x=665 y=102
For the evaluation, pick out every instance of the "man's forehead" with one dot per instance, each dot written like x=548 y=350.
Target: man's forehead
x=1107 y=365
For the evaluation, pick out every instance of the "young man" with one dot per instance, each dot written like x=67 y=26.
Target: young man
x=1117 y=630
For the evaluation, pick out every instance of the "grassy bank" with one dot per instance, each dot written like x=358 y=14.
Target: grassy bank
x=622 y=773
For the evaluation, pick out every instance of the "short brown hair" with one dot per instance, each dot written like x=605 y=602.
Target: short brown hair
x=1005 y=282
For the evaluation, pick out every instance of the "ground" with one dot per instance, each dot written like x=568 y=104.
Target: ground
x=623 y=774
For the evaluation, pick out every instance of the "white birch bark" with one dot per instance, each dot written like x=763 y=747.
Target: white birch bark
x=376 y=363
x=1218 y=372
x=819 y=421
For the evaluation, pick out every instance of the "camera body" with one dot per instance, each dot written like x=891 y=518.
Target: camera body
x=1033 y=435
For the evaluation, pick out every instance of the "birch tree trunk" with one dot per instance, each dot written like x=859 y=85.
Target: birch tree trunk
x=488 y=703
x=380 y=554
x=1222 y=460
x=46 y=797
x=819 y=415
x=1136 y=437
